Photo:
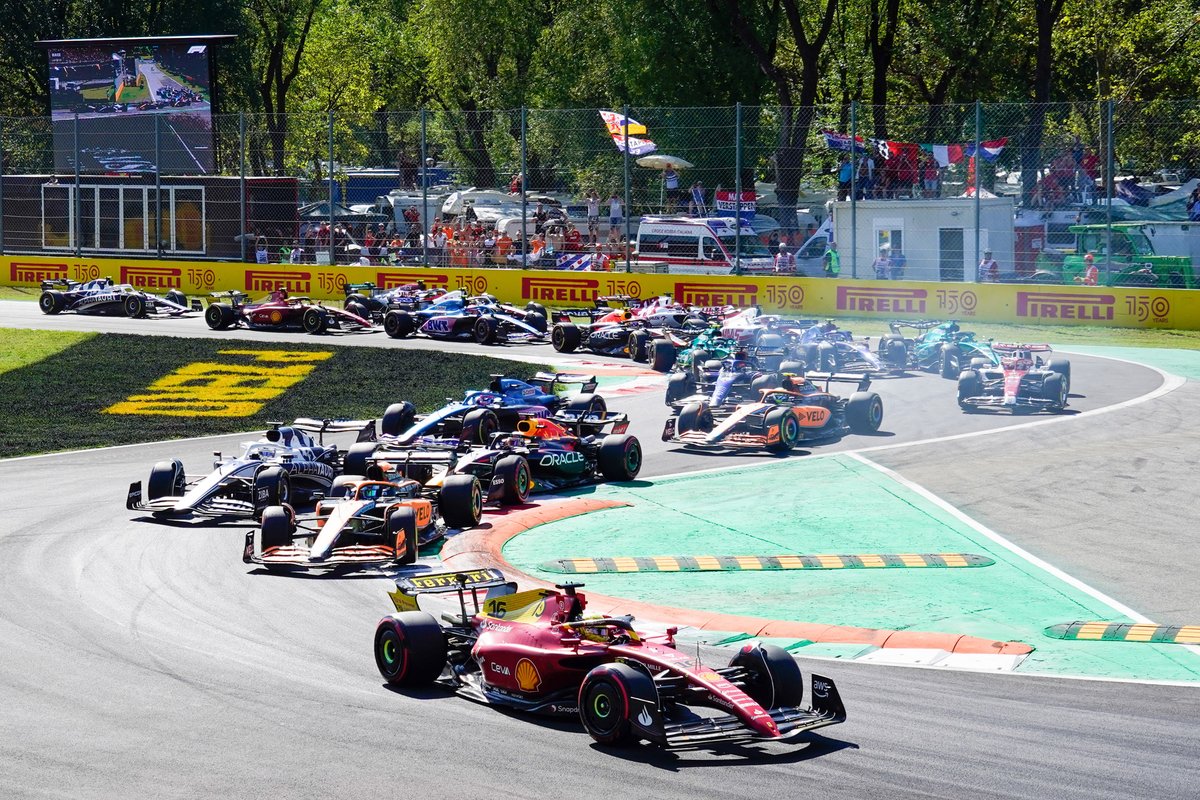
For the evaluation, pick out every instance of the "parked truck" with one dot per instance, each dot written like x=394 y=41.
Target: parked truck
x=1132 y=260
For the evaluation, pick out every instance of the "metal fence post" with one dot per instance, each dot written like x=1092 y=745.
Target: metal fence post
x=332 y=258
x=737 y=189
x=1109 y=187
x=157 y=187
x=628 y=205
x=853 y=204
x=427 y=223
x=524 y=189
x=978 y=191
x=242 y=178
x=1 y=184
x=76 y=205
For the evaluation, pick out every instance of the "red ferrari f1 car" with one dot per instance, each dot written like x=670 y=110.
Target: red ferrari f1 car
x=536 y=651
x=279 y=311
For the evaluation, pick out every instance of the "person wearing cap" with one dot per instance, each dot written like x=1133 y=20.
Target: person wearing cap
x=1091 y=275
x=989 y=270
x=785 y=260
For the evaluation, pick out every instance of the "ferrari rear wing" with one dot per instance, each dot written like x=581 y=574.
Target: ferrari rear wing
x=410 y=587
x=1014 y=347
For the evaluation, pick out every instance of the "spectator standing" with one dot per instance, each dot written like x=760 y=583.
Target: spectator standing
x=261 y=256
x=899 y=262
x=845 y=172
x=833 y=261
x=882 y=264
x=540 y=215
x=1091 y=274
x=866 y=177
x=593 y=215
x=671 y=183
x=989 y=270
x=785 y=261
x=615 y=214
x=517 y=184
x=931 y=176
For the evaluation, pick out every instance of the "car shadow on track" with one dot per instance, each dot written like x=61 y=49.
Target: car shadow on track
x=722 y=754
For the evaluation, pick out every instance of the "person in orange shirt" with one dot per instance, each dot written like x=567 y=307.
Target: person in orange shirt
x=504 y=247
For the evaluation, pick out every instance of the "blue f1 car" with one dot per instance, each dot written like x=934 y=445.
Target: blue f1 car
x=481 y=319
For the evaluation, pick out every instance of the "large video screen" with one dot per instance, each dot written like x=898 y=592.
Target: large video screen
x=140 y=108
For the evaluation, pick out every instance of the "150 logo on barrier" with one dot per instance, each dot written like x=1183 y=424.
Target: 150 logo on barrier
x=872 y=300
x=203 y=278
x=237 y=387
x=268 y=280
x=146 y=277
x=785 y=295
x=1065 y=305
x=957 y=302
x=1147 y=308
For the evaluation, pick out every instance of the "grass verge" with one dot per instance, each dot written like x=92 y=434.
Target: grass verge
x=21 y=348
x=58 y=402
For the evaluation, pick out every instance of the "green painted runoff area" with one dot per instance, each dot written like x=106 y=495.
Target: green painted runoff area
x=1185 y=363
x=836 y=504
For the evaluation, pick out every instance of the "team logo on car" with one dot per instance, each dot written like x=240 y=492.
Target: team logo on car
x=527 y=676
x=560 y=459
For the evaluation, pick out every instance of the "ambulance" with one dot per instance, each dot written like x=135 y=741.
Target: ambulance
x=701 y=246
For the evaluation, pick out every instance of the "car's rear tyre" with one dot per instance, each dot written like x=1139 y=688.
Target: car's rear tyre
x=773 y=678
x=479 y=425
x=662 y=355
x=1054 y=389
x=951 y=361
x=515 y=480
x=864 y=412
x=588 y=405
x=402 y=534
x=638 y=345
x=604 y=706
x=970 y=384
x=536 y=321
x=694 y=417
x=892 y=351
x=52 y=301
x=272 y=487
x=398 y=324
x=278 y=525
x=313 y=320
x=761 y=383
x=789 y=429
x=166 y=480
x=566 y=337
x=410 y=649
x=219 y=316
x=358 y=458
x=679 y=386
x=398 y=418
x=134 y=306
x=620 y=457
x=461 y=501
x=484 y=330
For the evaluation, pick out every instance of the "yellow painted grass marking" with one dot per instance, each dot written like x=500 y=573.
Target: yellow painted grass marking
x=218 y=389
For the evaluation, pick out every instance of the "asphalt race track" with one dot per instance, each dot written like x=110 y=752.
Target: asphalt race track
x=140 y=660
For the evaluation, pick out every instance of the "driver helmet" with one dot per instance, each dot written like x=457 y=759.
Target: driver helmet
x=626 y=314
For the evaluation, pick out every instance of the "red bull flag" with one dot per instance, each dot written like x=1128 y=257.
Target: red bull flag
x=622 y=130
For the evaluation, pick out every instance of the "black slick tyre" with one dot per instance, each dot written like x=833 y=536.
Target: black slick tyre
x=620 y=457
x=313 y=320
x=52 y=301
x=789 y=429
x=516 y=480
x=401 y=526
x=662 y=355
x=460 y=501
x=398 y=324
x=565 y=337
x=410 y=649
x=166 y=480
x=772 y=677
x=970 y=384
x=479 y=425
x=219 y=316
x=134 y=306
x=951 y=366
x=864 y=412
x=604 y=708
x=278 y=525
x=484 y=330
x=398 y=418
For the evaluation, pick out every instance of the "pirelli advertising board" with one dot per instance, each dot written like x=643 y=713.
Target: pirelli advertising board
x=814 y=297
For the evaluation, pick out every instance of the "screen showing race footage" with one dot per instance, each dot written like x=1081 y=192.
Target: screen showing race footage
x=134 y=108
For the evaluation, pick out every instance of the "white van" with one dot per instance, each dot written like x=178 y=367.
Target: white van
x=701 y=245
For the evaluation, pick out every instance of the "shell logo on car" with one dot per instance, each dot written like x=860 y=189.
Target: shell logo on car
x=527 y=676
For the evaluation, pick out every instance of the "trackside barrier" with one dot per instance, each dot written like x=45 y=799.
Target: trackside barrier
x=1004 y=303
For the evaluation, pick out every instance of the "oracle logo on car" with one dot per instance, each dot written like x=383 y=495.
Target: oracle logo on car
x=717 y=294
x=152 y=277
x=575 y=290
x=267 y=280
x=1063 y=305
x=388 y=279
x=880 y=300
x=25 y=272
